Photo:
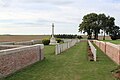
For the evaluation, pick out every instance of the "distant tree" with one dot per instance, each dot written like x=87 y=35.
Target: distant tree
x=106 y=23
x=79 y=37
x=68 y=36
x=102 y=23
x=88 y=23
x=115 y=33
x=92 y=23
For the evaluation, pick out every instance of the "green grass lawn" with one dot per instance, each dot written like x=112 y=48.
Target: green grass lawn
x=113 y=41
x=70 y=65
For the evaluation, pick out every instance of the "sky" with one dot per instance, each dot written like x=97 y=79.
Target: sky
x=35 y=17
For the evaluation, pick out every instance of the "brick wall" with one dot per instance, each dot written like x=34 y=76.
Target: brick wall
x=110 y=49
x=113 y=51
x=102 y=46
x=14 y=59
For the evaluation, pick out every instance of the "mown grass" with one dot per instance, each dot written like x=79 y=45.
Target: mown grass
x=70 y=65
x=113 y=41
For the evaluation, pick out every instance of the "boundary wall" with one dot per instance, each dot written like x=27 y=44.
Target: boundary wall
x=3 y=47
x=32 y=42
x=110 y=49
x=12 y=60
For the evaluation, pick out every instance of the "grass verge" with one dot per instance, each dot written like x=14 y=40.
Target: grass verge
x=113 y=41
x=70 y=65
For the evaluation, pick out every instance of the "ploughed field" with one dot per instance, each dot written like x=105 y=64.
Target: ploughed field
x=17 y=38
x=70 y=65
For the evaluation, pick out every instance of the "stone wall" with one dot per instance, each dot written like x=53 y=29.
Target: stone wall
x=32 y=42
x=62 y=47
x=3 y=47
x=15 y=59
x=7 y=43
x=37 y=41
x=102 y=46
x=110 y=49
x=24 y=43
x=113 y=51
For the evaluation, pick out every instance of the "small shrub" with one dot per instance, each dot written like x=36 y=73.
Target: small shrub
x=59 y=40
x=46 y=41
x=79 y=37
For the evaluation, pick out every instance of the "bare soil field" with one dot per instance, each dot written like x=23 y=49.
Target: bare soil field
x=17 y=38
x=12 y=38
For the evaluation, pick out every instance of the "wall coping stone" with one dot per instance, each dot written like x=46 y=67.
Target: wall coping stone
x=12 y=50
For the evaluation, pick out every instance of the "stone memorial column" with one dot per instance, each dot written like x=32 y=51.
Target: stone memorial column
x=53 y=40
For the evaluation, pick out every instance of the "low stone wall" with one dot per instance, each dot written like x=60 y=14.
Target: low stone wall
x=7 y=43
x=110 y=49
x=32 y=42
x=113 y=51
x=24 y=43
x=37 y=41
x=102 y=46
x=15 y=59
x=62 y=47
x=3 y=47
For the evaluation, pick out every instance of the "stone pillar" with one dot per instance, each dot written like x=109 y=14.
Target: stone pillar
x=52 y=29
x=53 y=40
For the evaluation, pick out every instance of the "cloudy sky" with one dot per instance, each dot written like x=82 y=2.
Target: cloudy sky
x=36 y=16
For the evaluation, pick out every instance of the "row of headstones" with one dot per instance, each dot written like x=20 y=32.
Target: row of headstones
x=93 y=49
x=22 y=43
x=59 y=48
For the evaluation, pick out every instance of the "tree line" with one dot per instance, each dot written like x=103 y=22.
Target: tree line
x=92 y=24
x=68 y=36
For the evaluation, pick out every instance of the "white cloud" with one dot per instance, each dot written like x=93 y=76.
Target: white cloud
x=39 y=14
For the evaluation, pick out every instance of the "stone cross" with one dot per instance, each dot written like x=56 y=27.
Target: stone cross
x=52 y=29
x=53 y=40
